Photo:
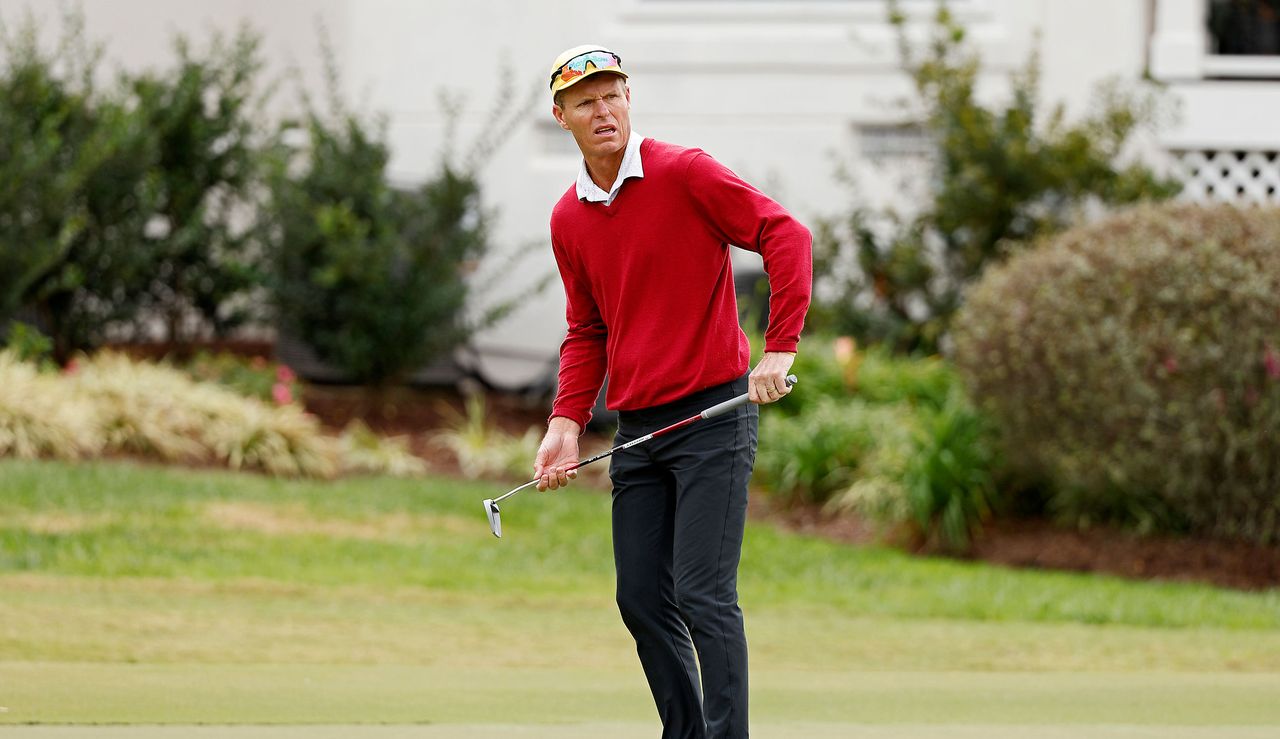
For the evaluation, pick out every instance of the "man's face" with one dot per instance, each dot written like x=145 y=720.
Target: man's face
x=597 y=111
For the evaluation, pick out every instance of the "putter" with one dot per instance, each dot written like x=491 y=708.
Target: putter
x=491 y=504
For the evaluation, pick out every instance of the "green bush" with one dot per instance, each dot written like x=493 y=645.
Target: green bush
x=1135 y=364
x=836 y=368
x=373 y=278
x=119 y=204
x=892 y=438
x=60 y=145
x=1003 y=175
x=369 y=276
x=201 y=117
x=809 y=458
x=937 y=479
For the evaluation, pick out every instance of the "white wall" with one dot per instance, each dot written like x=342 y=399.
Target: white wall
x=138 y=34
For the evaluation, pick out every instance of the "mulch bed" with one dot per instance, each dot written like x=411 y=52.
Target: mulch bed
x=1040 y=544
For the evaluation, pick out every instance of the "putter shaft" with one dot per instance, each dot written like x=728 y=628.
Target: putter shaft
x=711 y=412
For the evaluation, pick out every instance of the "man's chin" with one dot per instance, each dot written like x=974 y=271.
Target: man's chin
x=608 y=148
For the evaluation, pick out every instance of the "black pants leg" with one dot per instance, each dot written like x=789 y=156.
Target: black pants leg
x=679 y=508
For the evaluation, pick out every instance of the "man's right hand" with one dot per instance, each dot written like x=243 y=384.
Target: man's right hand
x=559 y=450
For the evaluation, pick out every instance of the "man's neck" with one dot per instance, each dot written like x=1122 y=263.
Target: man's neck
x=604 y=170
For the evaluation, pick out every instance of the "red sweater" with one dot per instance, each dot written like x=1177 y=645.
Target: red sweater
x=649 y=286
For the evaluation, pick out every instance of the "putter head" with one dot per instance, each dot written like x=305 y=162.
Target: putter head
x=495 y=517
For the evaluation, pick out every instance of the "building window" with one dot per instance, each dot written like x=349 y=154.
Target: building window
x=1244 y=27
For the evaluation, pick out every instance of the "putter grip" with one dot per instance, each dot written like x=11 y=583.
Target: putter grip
x=732 y=403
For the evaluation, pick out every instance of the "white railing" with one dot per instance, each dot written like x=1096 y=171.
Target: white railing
x=1228 y=176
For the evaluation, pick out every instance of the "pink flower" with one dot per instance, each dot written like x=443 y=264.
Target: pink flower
x=1272 y=363
x=72 y=366
x=844 y=347
x=281 y=393
x=1171 y=364
x=284 y=374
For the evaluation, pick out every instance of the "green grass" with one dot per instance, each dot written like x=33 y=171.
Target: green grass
x=133 y=593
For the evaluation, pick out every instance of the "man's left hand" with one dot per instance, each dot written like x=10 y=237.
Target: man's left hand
x=768 y=381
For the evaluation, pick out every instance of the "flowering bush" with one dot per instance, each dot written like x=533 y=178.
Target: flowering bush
x=255 y=377
x=1135 y=364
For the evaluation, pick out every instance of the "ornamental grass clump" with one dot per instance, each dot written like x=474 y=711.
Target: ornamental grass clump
x=112 y=404
x=363 y=450
x=481 y=448
x=39 y=418
x=1134 y=364
x=158 y=411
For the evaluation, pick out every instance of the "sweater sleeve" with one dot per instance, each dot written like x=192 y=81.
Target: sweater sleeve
x=747 y=218
x=583 y=352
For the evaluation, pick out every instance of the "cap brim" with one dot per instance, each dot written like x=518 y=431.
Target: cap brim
x=581 y=77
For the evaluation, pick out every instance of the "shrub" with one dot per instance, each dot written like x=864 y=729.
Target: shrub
x=1135 y=363
x=837 y=368
x=808 y=458
x=126 y=197
x=1002 y=176
x=937 y=479
x=200 y=117
x=892 y=438
x=374 y=278
x=58 y=142
x=26 y=343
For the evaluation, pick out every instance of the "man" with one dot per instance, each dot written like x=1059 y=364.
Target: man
x=641 y=241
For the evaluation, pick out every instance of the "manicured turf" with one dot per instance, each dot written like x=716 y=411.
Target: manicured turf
x=150 y=595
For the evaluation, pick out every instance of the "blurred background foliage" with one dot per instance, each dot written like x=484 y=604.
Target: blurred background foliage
x=121 y=201
x=167 y=208
x=1002 y=174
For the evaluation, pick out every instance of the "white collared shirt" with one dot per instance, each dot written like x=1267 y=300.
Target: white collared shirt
x=631 y=166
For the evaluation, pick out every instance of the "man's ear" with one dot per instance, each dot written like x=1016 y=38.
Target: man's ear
x=558 y=113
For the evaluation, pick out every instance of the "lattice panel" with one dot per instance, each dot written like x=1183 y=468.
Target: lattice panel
x=1229 y=176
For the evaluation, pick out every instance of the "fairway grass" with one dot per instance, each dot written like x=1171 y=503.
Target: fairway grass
x=132 y=594
x=412 y=694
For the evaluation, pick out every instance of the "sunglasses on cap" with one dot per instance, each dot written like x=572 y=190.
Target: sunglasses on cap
x=577 y=66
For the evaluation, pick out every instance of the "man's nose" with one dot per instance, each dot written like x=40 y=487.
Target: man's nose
x=600 y=109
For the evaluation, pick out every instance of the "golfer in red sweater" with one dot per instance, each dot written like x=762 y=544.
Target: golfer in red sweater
x=642 y=243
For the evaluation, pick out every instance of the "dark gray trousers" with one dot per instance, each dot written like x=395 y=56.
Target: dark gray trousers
x=679 y=508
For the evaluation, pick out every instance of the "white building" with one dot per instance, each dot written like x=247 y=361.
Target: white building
x=782 y=91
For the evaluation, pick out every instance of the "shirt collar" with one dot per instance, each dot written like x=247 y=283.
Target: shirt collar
x=631 y=166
